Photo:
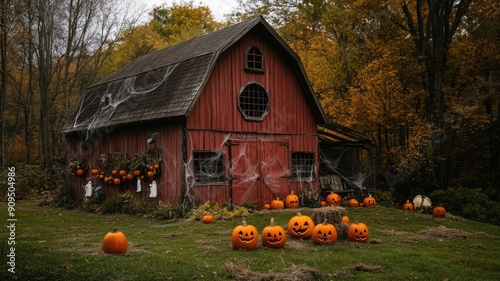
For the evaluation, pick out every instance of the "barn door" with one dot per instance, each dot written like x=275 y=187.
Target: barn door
x=259 y=170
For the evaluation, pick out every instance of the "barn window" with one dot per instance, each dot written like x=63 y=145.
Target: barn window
x=253 y=102
x=302 y=165
x=208 y=166
x=254 y=61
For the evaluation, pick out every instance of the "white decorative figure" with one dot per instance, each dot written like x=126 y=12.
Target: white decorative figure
x=426 y=202
x=153 y=190
x=139 y=188
x=417 y=201
x=88 y=189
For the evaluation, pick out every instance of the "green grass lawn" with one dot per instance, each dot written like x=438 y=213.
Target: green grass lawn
x=60 y=244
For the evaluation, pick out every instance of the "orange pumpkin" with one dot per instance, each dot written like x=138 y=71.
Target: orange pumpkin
x=408 y=206
x=267 y=206
x=300 y=226
x=117 y=181
x=130 y=177
x=273 y=236
x=151 y=174
x=114 y=172
x=439 y=212
x=114 y=242
x=324 y=234
x=122 y=173
x=345 y=219
x=333 y=199
x=322 y=203
x=79 y=172
x=352 y=203
x=277 y=204
x=95 y=171
x=208 y=219
x=358 y=232
x=292 y=200
x=244 y=236
x=137 y=173
x=369 y=201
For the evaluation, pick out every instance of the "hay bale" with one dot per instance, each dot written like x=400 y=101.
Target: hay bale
x=332 y=214
x=341 y=230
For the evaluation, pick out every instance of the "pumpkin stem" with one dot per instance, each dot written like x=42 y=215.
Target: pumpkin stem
x=299 y=214
x=325 y=221
x=115 y=230
x=244 y=223
x=272 y=222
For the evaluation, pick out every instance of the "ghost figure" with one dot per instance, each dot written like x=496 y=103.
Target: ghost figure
x=153 y=190
x=426 y=202
x=88 y=189
x=139 y=188
x=417 y=201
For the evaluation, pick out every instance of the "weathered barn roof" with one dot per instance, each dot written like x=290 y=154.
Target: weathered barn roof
x=167 y=83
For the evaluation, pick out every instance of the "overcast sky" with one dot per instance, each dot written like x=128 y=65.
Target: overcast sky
x=218 y=7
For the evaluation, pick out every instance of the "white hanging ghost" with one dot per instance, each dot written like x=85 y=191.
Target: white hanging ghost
x=88 y=189
x=153 y=191
x=139 y=188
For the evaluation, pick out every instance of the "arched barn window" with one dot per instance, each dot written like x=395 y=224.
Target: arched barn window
x=254 y=60
x=253 y=102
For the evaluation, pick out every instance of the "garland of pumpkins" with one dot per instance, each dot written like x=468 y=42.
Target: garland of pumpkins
x=246 y=236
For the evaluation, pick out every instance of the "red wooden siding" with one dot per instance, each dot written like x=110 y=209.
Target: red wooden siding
x=132 y=141
x=215 y=122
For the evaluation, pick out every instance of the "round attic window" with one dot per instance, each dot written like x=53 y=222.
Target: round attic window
x=253 y=102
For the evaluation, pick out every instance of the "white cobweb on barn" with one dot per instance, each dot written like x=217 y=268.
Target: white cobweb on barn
x=124 y=96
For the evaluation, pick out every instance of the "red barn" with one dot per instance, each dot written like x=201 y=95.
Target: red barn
x=228 y=116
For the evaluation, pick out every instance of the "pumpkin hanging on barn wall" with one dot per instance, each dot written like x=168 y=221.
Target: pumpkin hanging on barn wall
x=244 y=236
x=369 y=202
x=277 y=204
x=439 y=212
x=324 y=234
x=358 y=232
x=292 y=200
x=300 y=226
x=273 y=236
x=114 y=242
x=408 y=206
x=333 y=199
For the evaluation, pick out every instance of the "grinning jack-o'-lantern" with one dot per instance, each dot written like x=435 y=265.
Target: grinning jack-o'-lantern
x=324 y=234
x=358 y=232
x=292 y=200
x=277 y=204
x=408 y=206
x=333 y=199
x=369 y=202
x=352 y=203
x=245 y=236
x=300 y=226
x=273 y=236
x=439 y=212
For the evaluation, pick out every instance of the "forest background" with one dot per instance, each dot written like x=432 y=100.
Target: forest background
x=421 y=78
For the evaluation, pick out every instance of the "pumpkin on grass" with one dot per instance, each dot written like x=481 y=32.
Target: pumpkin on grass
x=273 y=236
x=244 y=236
x=208 y=219
x=324 y=234
x=300 y=226
x=267 y=206
x=369 y=202
x=352 y=203
x=439 y=212
x=277 y=204
x=345 y=219
x=358 y=232
x=408 y=206
x=333 y=199
x=114 y=242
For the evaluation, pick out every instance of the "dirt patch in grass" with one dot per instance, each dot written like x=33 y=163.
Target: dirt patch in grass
x=293 y=273
x=444 y=232
x=95 y=249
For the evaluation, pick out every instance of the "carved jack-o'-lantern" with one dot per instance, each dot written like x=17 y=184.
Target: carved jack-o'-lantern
x=277 y=204
x=352 y=203
x=300 y=226
x=273 y=236
x=292 y=200
x=358 y=232
x=439 y=212
x=333 y=199
x=369 y=201
x=408 y=206
x=245 y=236
x=324 y=234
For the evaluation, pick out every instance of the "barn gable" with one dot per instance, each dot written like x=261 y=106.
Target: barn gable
x=168 y=82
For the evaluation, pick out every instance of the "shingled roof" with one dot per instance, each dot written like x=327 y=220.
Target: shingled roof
x=167 y=83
